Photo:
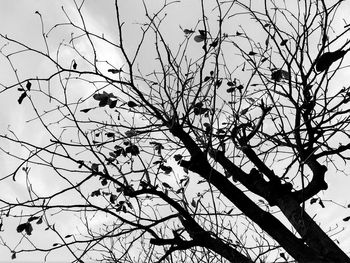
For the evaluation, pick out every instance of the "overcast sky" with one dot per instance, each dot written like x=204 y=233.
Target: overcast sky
x=18 y=20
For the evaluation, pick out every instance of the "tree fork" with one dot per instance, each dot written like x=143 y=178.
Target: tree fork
x=294 y=246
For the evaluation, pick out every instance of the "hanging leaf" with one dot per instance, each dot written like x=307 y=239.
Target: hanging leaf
x=96 y=193
x=158 y=147
x=202 y=32
x=267 y=41
x=279 y=74
x=321 y=203
x=214 y=43
x=193 y=203
x=68 y=236
x=94 y=167
x=346 y=219
x=218 y=83
x=75 y=65
x=40 y=221
x=230 y=90
x=221 y=131
x=104 y=98
x=283 y=256
x=177 y=157
x=188 y=31
x=238 y=33
x=86 y=110
x=240 y=87
x=112 y=104
x=110 y=134
x=166 y=185
x=252 y=53
x=99 y=96
x=113 y=198
x=199 y=38
x=23 y=95
x=104 y=182
x=276 y=75
x=27 y=227
x=119 y=150
x=133 y=149
x=207 y=78
x=166 y=169
x=115 y=71
x=200 y=111
x=244 y=111
x=198 y=105
x=132 y=104
x=28 y=85
x=21 y=227
x=81 y=163
x=264 y=59
x=103 y=102
x=32 y=218
x=131 y=133
x=129 y=204
x=313 y=200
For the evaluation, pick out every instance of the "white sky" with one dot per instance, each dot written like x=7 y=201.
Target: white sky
x=19 y=21
x=22 y=23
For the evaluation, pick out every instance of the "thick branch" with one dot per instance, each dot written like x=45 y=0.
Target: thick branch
x=266 y=221
x=200 y=236
x=317 y=183
x=310 y=231
x=254 y=181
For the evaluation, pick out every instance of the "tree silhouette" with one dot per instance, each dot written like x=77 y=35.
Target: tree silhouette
x=212 y=150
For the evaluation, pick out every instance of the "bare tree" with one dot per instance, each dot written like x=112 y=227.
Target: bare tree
x=210 y=150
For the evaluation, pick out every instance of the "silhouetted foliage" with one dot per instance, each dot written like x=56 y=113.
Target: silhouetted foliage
x=214 y=140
